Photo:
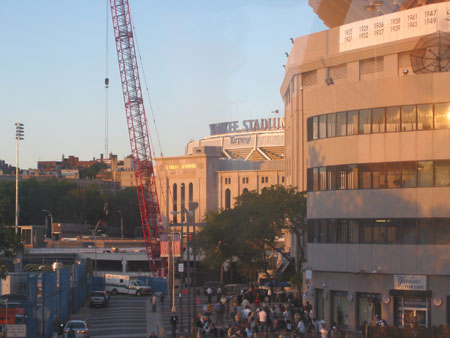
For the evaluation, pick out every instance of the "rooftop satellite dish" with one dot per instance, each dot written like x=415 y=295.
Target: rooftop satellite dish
x=432 y=54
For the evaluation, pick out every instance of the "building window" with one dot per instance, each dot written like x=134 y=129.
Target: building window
x=442 y=116
x=245 y=191
x=323 y=230
x=227 y=199
x=342 y=231
x=315 y=126
x=365 y=121
x=353 y=231
x=393 y=231
x=393 y=175
x=331 y=178
x=409 y=174
x=393 y=119
x=332 y=231
x=282 y=179
x=379 y=231
x=366 y=231
x=369 y=306
x=227 y=180
x=425 y=117
x=425 y=231
x=442 y=173
x=442 y=228
x=322 y=126
x=378 y=175
x=409 y=231
x=191 y=192
x=341 y=123
x=425 y=173
x=408 y=118
x=352 y=122
x=365 y=176
x=244 y=180
x=175 y=203
x=183 y=201
x=331 y=125
x=378 y=120
x=339 y=308
x=322 y=178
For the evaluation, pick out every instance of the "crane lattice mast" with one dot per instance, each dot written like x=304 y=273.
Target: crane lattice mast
x=137 y=130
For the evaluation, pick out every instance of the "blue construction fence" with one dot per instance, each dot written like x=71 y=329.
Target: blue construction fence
x=41 y=297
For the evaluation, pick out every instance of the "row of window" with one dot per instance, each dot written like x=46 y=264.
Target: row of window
x=380 y=175
x=182 y=201
x=245 y=180
x=379 y=120
x=380 y=231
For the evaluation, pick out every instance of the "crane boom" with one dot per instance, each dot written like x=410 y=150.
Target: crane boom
x=137 y=130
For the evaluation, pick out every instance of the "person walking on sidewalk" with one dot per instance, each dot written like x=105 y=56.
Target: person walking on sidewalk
x=173 y=324
x=154 y=302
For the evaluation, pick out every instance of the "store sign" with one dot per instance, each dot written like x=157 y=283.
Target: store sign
x=400 y=25
x=17 y=330
x=275 y=123
x=410 y=282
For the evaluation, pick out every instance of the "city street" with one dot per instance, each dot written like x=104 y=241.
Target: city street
x=126 y=316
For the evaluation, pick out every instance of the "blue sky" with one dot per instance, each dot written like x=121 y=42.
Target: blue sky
x=205 y=62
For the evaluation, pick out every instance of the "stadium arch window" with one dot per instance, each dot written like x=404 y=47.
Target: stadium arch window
x=183 y=201
x=227 y=199
x=175 y=202
x=191 y=192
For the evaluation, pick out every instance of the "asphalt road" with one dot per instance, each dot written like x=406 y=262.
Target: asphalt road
x=126 y=316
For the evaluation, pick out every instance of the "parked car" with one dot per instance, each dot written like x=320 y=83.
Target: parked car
x=98 y=298
x=214 y=286
x=79 y=326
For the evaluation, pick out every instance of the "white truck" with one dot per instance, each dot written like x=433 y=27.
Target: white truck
x=126 y=285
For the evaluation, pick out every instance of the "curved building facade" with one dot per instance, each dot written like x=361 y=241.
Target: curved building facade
x=367 y=109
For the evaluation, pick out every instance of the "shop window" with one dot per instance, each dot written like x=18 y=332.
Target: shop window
x=442 y=173
x=320 y=304
x=409 y=231
x=369 y=306
x=393 y=231
x=425 y=231
x=227 y=199
x=353 y=231
x=425 y=173
x=408 y=118
x=442 y=116
x=342 y=231
x=442 y=230
x=366 y=231
x=341 y=124
x=322 y=126
x=352 y=122
x=365 y=119
x=425 y=117
x=331 y=178
x=411 y=311
x=393 y=175
x=331 y=125
x=378 y=176
x=378 y=120
x=365 y=176
x=409 y=174
x=315 y=126
x=339 y=308
x=379 y=231
x=323 y=178
x=332 y=231
x=393 y=119
x=323 y=231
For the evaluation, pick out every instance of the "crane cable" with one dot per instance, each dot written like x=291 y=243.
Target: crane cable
x=106 y=81
x=153 y=119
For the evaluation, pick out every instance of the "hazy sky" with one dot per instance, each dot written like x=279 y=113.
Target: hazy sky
x=205 y=61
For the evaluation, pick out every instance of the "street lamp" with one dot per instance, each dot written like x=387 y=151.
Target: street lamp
x=189 y=218
x=19 y=137
x=51 y=223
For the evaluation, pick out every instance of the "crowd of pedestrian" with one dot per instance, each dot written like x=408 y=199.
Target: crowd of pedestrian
x=253 y=313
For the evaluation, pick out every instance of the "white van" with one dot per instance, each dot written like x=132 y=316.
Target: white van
x=126 y=285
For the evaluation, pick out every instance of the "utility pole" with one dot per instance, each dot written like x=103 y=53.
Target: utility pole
x=19 y=137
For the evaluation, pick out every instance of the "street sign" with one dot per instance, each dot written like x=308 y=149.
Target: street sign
x=180 y=267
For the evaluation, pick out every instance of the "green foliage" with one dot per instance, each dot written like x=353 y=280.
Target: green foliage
x=93 y=170
x=10 y=245
x=69 y=203
x=249 y=233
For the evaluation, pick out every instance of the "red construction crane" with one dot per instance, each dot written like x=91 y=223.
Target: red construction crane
x=138 y=131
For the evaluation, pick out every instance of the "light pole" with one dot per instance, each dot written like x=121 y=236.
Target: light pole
x=121 y=224
x=51 y=223
x=19 y=137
